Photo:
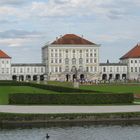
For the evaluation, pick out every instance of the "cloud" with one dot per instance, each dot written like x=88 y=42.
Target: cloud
x=20 y=34
x=16 y=38
x=12 y=2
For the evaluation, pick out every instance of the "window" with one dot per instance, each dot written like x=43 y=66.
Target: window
x=42 y=70
x=52 y=70
x=60 y=60
x=51 y=54
x=14 y=70
x=2 y=70
x=91 y=60
x=135 y=61
x=91 y=55
x=55 y=54
x=123 y=69
x=35 y=70
x=91 y=69
x=80 y=61
x=86 y=54
x=95 y=54
x=87 y=69
x=81 y=68
x=95 y=69
x=55 y=60
x=117 y=69
x=51 y=60
x=28 y=70
x=60 y=69
x=87 y=61
x=66 y=51
x=7 y=62
x=21 y=70
x=95 y=60
x=131 y=61
x=56 y=69
x=110 y=69
x=131 y=69
x=66 y=61
x=66 y=68
x=73 y=61
x=135 y=69
x=7 y=70
x=73 y=51
x=104 y=69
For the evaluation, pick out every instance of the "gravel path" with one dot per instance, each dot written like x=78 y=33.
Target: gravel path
x=68 y=109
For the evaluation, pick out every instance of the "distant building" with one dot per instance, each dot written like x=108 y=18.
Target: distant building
x=71 y=57
x=132 y=60
x=5 y=66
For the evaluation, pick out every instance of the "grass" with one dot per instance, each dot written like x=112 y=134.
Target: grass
x=113 y=88
x=6 y=90
x=119 y=88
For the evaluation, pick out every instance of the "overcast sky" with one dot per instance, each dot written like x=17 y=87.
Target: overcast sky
x=26 y=25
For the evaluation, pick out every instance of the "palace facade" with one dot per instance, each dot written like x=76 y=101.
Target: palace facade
x=72 y=57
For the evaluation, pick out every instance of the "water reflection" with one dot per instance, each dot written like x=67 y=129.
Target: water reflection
x=74 y=133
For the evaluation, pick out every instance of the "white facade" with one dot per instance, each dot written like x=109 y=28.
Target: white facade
x=113 y=71
x=28 y=72
x=67 y=62
x=133 y=68
x=63 y=60
x=5 y=69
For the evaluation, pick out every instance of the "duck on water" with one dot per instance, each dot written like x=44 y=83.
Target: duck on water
x=47 y=136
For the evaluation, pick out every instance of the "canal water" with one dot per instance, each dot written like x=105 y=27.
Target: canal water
x=74 y=133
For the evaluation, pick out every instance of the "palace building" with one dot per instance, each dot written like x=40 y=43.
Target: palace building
x=71 y=57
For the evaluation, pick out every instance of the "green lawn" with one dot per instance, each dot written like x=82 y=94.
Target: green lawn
x=6 y=90
x=113 y=88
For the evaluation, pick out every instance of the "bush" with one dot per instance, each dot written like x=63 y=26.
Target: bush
x=71 y=99
x=59 y=88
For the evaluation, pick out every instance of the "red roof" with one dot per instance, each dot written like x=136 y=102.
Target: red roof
x=133 y=53
x=72 y=39
x=3 y=55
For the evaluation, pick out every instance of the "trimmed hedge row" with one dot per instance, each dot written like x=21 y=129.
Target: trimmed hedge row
x=59 y=88
x=71 y=99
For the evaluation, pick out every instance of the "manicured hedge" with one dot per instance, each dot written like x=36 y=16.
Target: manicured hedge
x=13 y=83
x=59 y=88
x=46 y=87
x=71 y=99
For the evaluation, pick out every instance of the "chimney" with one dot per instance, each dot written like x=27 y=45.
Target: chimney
x=107 y=61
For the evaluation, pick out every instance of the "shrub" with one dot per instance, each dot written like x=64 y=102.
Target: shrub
x=71 y=99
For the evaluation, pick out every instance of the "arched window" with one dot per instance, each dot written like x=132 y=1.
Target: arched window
x=73 y=61
x=67 y=68
x=80 y=61
x=66 y=61
x=80 y=68
x=73 y=69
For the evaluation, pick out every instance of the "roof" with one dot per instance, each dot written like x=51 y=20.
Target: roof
x=72 y=39
x=3 y=55
x=113 y=64
x=133 y=53
x=28 y=64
